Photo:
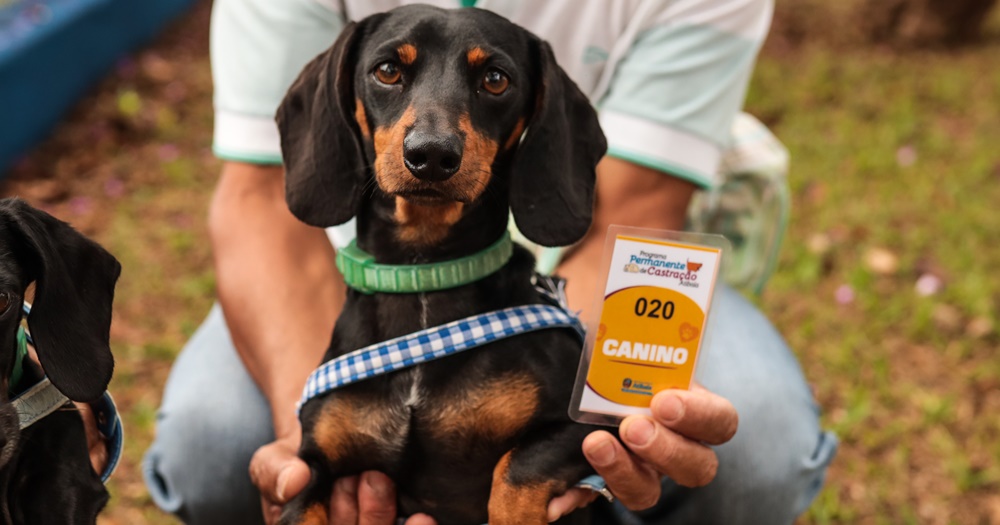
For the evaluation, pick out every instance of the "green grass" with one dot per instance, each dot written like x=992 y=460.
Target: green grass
x=910 y=383
x=906 y=381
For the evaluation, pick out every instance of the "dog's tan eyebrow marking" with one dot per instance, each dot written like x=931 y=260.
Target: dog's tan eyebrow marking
x=476 y=56
x=407 y=53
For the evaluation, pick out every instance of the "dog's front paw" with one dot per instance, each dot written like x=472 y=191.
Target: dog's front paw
x=315 y=514
x=518 y=504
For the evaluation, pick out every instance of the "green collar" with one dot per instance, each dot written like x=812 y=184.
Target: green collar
x=22 y=352
x=362 y=273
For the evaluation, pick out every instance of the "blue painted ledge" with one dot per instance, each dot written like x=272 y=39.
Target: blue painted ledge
x=53 y=51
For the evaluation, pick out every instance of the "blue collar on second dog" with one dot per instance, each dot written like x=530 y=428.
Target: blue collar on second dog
x=43 y=398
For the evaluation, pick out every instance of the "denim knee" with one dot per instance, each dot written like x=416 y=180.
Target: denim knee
x=211 y=421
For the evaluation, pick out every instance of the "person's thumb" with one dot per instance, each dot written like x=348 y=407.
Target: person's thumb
x=278 y=473
x=291 y=480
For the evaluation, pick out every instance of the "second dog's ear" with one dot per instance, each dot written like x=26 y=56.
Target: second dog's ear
x=70 y=318
x=320 y=144
x=552 y=185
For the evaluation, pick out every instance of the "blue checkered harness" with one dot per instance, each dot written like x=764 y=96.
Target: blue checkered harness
x=452 y=338
x=447 y=339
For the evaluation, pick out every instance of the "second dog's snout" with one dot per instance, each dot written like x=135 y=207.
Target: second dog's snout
x=431 y=157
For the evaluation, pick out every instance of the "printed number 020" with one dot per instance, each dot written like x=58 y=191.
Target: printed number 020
x=654 y=308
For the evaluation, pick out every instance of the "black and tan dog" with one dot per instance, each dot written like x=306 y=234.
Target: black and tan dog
x=46 y=476
x=412 y=122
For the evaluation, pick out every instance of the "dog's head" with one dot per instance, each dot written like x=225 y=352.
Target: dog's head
x=433 y=105
x=70 y=317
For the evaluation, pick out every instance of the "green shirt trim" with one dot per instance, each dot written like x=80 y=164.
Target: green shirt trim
x=250 y=158
x=699 y=179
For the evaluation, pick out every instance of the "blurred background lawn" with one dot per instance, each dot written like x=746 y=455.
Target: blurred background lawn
x=887 y=285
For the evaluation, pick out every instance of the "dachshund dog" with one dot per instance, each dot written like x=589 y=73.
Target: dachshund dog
x=46 y=476
x=412 y=122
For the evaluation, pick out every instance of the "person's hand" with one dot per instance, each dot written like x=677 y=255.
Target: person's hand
x=95 y=441
x=279 y=474
x=368 y=499
x=674 y=443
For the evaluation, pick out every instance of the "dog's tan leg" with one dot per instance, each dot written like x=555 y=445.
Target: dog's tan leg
x=518 y=504
x=315 y=515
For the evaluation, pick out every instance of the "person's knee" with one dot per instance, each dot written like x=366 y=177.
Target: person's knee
x=197 y=466
x=775 y=465
x=211 y=421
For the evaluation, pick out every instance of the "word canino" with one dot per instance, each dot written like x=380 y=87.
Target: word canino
x=648 y=352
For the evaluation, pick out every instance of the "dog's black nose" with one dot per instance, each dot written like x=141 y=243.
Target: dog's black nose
x=432 y=157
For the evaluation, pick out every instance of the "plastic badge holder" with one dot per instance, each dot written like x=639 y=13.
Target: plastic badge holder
x=651 y=320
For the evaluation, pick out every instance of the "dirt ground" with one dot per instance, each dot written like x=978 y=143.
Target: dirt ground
x=886 y=288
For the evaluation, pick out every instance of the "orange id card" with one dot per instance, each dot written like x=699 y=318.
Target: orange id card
x=652 y=321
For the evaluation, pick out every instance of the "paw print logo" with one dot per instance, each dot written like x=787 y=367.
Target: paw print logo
x=632 y=268
x=688 y=332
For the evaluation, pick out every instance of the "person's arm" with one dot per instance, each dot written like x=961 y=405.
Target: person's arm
x=277 y=283
x=628 y=195
x=281 y=294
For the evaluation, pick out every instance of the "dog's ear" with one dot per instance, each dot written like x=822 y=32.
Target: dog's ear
x=70 y=318
x=552 y=185
x=320 y=141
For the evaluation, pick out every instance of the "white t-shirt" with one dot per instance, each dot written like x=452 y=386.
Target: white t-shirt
x=667 y=76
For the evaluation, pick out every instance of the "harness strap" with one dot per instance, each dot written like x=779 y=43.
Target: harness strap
x=457 y=336
x=433 y=343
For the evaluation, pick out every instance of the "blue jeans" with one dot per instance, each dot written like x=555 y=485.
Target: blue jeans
x=213 y=418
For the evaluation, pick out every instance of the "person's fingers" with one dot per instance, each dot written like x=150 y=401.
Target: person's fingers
x=344 y=501
x=376 y=499
x=573 y=499
x=271 y=511
x=687 y=462
x=95 y=441
x=697 y=414
x=420 y=519
x=635 y=484
x=278 y=473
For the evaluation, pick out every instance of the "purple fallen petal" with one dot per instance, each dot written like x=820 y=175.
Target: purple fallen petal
x=844 y=294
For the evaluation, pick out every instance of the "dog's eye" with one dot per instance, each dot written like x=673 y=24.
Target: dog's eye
x=495 y=81
x=387 y=73
x=5 y=302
